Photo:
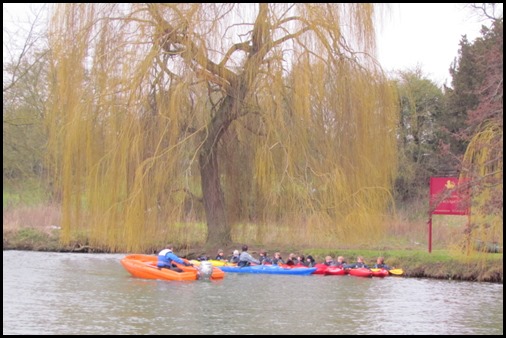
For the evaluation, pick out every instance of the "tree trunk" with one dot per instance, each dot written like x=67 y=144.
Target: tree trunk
x=218 y=228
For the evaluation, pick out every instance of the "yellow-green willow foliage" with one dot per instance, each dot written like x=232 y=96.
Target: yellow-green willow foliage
x=169 y=115
x=483 y=163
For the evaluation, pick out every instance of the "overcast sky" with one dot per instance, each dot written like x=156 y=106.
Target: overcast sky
x=424 y=35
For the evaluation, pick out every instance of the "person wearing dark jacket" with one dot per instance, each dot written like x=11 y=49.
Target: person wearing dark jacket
x=277 y=260
x=359 y=264
x=220 y=256
x=310 y=261
x=235 y=257
x=340 y=262
x=380 y=264
x=264 y=259
x=292 y=259
x=329 y=261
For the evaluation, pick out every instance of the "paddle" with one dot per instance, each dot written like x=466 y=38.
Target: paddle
x=396 y=272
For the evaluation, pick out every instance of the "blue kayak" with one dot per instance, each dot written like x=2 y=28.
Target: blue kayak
x=268 y=269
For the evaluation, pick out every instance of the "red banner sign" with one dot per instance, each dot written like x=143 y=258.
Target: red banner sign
x=446 y=198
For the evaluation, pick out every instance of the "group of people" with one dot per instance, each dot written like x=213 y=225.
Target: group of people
x=245 y=259
x=166 y=257
x=360 y=263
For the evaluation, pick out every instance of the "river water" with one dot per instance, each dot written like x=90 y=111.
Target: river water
x=64 y=293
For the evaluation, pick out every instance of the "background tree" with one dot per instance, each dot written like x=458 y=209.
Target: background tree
x=267 y=113
x=422 y=104
x=477 y=100
x=24 y=95
x=23 y=127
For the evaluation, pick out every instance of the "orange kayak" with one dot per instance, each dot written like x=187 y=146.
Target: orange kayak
x=144 y=266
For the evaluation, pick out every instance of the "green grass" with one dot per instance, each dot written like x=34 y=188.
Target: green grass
x=26 y=193
x=31 y=239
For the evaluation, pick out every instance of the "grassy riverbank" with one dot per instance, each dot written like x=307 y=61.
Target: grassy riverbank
x=440 y=264
x=31 y=224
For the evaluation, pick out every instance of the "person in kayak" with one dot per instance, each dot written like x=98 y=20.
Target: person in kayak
x=310 y=261
x=329 y=261
x=235 y=257
x=359 y=264
x=220 y=256
x=292 y=259
x=245 y=259
x=166 y=257
x=301 y=260
x=340 y=262
x=264 y=259
x=277 y=260
x=380 y=264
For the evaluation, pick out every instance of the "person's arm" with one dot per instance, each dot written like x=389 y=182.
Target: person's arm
x=250 y=259
x=175 y=258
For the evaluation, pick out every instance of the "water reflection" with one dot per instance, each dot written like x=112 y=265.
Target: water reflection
x=61 y=293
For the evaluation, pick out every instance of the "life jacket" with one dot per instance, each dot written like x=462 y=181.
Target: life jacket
x=382 y=266
x=163 y=260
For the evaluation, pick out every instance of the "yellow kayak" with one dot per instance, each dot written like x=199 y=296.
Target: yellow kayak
x=215 y=262
x=396 y=272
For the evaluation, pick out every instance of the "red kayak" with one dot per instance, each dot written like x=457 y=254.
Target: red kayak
x=320 y=269
x=334 y=271
x=380 y=272
x=360 y=272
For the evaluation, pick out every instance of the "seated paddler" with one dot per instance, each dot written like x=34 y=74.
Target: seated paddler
x=167 y=256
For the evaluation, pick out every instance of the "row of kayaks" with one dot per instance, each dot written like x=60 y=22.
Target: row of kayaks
x=144 y=266
x=359 y=272
x=318 y=269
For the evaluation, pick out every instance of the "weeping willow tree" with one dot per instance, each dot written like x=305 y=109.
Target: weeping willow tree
x=483 y=169
x=164 y=115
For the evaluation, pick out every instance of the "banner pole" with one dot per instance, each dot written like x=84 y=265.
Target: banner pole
x=430 y=215
x=430 y=233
